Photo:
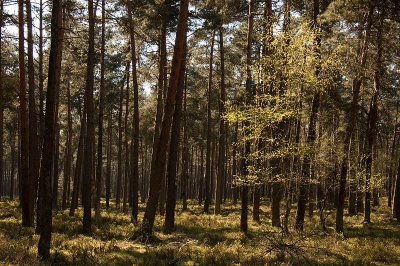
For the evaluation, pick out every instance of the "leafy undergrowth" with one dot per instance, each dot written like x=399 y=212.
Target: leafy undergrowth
x=202 y=239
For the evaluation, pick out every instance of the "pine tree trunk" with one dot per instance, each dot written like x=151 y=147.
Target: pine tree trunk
x=109 y=146
x=89 y=140
x=26 y=183
x=173 y=153
x=161 y=154
x=350 y=126
x=33 y=138
x=119 y=156
x=372 y=121
x=126 y=146
x=221 y=150
x=161 y=88
x=311 y=137
x=99 y=166
x=392 y=172
x=44 y=221
x=248 y=99
x=207 y=200
x=12 y=173
x=134 y=181
x=78 y=164
x=1 y=103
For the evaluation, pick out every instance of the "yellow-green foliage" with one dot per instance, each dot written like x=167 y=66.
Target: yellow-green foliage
x=203 y=239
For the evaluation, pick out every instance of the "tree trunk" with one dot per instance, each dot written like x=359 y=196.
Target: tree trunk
x=109 y=146
x=221 y=150
x=26 y=183
x=207 y=200
x=161 y=88
x=248 y=99
x=78 y=164
x=134 y=181
x=99 y=166
x=126 y=169
x=351 y=124
x=311 y=137
x=12 y=173
x=185 y=155
x=372 y=121
x=33 y=138
x=392 y=172
x=161 y=154
x=201 y=175
x=68 y=155
x=1 y=104
x=173 y=153
x=89 y=141
x=41 y=77
x=44 y=221
x=119 y=156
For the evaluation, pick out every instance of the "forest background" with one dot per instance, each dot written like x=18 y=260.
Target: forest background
x=132 y=107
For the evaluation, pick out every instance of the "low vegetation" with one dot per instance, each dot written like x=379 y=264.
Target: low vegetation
x=202 y=239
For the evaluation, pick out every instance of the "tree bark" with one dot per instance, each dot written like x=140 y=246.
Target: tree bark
x=159 y=170
x=126 y=168
x=99 y=166
x=119 y=156
x=135 y=136
x=161 y=88
x=68 y=154
x=207 y=200
x=173 y=153
x=44 y=221
x=351 y=124
x=33 y=138
x=372 y=121
x=109 y=149
x=311 y=137
x=89 y=141
x=26 y=183
x=78 y=164
x=221 y=150
x=1 y=104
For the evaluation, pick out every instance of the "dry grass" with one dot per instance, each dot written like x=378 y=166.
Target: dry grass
x=202 y=239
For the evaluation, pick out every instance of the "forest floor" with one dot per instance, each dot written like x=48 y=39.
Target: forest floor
x=202 y=239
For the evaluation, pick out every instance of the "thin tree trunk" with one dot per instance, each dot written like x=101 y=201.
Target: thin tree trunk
x=392 y=172
x=135 y=137
x=99 y=166
x=185 y=157
x=161 y=88
x=248 y=99
x=26 y=183
x=156 y=174
x=119 y=157
x=1 y=104
x=208 y=147
x=173 y=153
x=372 y=120
x=108 y=174
x=33 y=138
x=68 y=155
x=78 y=164
x=308 y=167
x=89 y=141
x=44 y=221
x=12 y=185
x=201 y=175
x=351 y=124
x=126 y=169
x=221 y=150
